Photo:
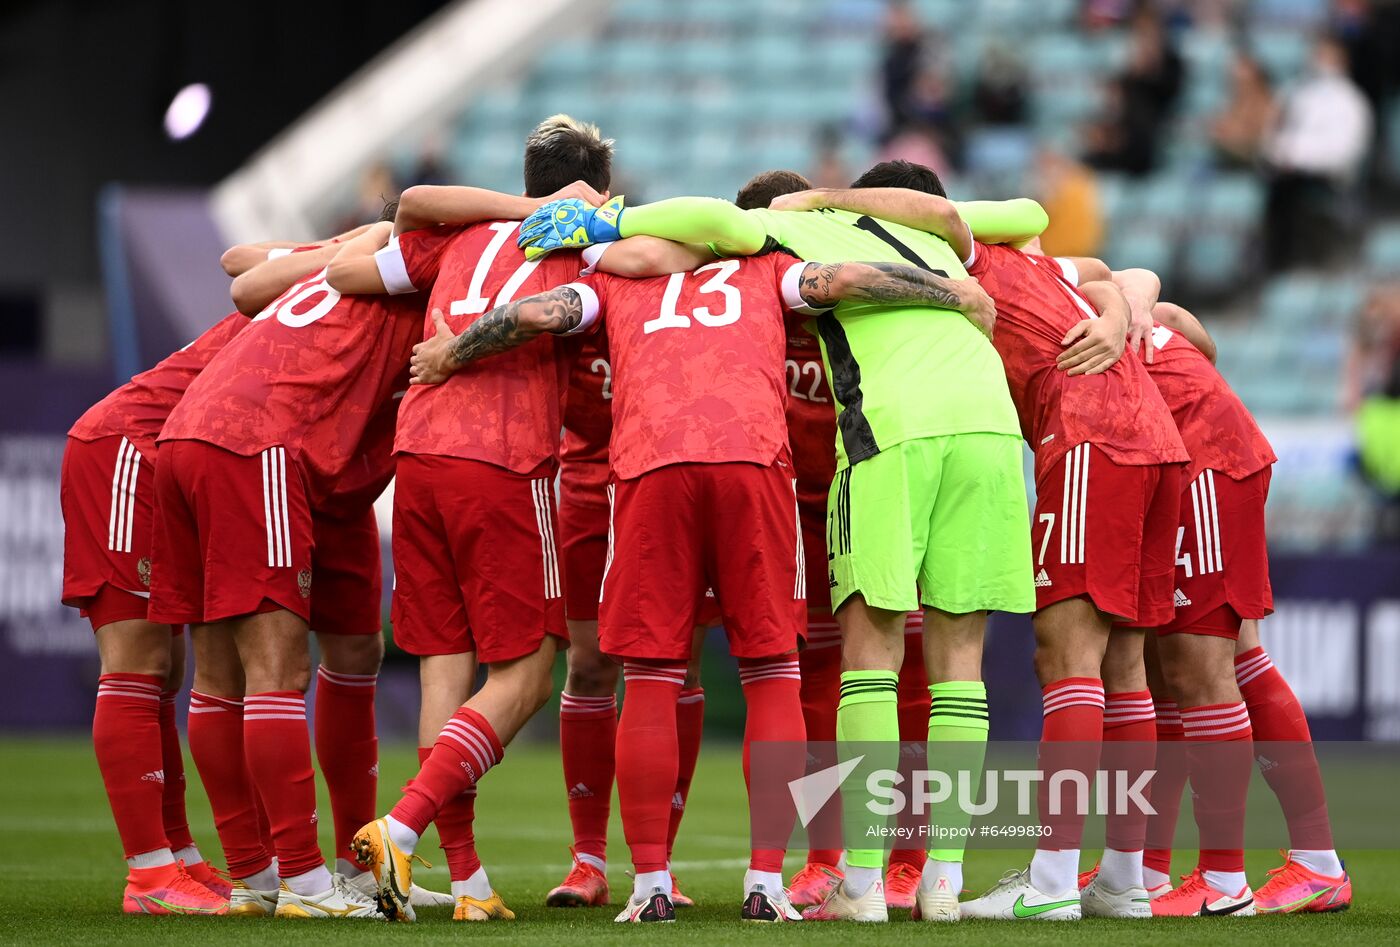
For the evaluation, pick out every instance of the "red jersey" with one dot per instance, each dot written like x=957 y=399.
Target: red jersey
x=308 y=373
x=505 y=410
x=1120 y=410
x=372 y=467
x=811 y=418
x=1218 y=429
x=583 y=455
x=138 y=409
x=697 y=362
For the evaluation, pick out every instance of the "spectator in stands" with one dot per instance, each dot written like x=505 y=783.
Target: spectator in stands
x=999 y=89
x=1139 y=102
x=1316 y=154
x=829 y=169
x=1240 y=129
x=1070 y=196
x=1121 y=139
x=1372 y=380
x=900 y=64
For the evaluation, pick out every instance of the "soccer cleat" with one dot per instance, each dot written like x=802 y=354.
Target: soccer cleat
x=423 y=898
x=341 y=899
x=215 y=879
x=1096 y=899
x=169 y=890
x=654 y=908
x=244 y=901
x=678 y=898
x=583 y=887
x=1295 y=889
x=376 y=852
x=1087 y=876
x=940 y=904
x=1196 y=898
x=768 y=907
x=1014 y=898
x=901 y=881
x=812 y=883
x=869 y=908
x=475 y=909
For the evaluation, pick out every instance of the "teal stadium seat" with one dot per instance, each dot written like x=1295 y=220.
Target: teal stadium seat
x=1382 y=252
x=1213 y=261
x=1139 y=244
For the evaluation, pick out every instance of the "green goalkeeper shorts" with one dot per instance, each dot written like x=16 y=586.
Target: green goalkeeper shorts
x=941 y=521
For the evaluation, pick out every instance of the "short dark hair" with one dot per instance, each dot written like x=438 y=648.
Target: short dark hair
x=766 y=185
x=901 y=173
x=390 y=211
x=562 y=150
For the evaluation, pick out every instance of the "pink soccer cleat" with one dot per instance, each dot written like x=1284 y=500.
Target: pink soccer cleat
x=584 y=887
x=901 y=884
x=812 y=883
x=1196 y=898
x=1295 y=889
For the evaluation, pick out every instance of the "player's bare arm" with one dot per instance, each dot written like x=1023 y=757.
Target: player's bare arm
x=638 y=257
x=256 y=287
x=1140 y=287
x=927 y=212
x=427 y=205
x=1180 y=320
x=239 y=259
x=352 y=269
x=1096 y=345
x=557 y=311
x=825 y=284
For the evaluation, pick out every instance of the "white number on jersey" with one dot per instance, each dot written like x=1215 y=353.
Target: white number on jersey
x=474 y=303
x=284 y=306
x=601 y=365
x=796 y=371
x=670 y=319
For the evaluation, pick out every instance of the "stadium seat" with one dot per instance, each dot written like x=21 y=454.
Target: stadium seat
x=1382 y=253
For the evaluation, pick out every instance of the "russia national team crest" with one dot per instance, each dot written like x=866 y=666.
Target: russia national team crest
x=143 y=571
x=304 y=582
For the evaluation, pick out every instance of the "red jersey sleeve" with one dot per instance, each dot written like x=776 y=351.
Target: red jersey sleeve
x=409 y=262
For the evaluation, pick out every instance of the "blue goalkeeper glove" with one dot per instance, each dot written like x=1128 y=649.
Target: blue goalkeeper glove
x=570 y=224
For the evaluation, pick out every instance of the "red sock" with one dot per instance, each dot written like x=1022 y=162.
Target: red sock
x=216 y=746
x=773 y=701
x=690 y=725
x=913 y=732
x=648 y=758
x=587 y=735
x=465 y=750
x=1070 y=739
x=347 y=748
x=278 y=750
x=1129 y=747
x=821 y=686
x=1167 y=787
x=1277 y=718
x=454 y=824
x=126 y=738
x=1220 y=756
x=177 y=823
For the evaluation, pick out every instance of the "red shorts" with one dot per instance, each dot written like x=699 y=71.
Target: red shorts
x=105 y=490
x=682 y=529
x=1222 y=560
x=349 y=575
x=475 y=560
x=818 y=572
x=233 y=534
x=1106 y=531
x=583 y=536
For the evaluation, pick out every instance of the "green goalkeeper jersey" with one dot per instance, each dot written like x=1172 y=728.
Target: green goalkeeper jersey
x=896 y=373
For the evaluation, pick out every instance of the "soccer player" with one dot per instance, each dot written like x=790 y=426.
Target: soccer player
x=698 y=449
x=811 y=420
x=260 y=439
x=928 y=453
x=1108 y=461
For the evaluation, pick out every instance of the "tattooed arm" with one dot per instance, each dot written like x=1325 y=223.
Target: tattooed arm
x=558 y=311
x=823 y=285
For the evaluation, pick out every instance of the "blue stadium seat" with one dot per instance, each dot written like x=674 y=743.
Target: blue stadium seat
x=1235 y=199
x=1141 y=245
x=1382 y=253
x=1213 y=260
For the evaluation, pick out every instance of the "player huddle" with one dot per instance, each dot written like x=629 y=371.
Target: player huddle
x=803 y=423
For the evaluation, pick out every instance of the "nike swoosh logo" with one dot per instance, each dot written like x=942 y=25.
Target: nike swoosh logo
x=1022 y=909
x=1207 y=912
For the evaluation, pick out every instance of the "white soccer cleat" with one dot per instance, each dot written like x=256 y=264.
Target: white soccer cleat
x=939 y=904
x=244 y=901
x=1096 y=899
x=869 y=908
x=768 y=907
x=418 y=897
x=656 y=907
x=1014 y=898
x=342 y=899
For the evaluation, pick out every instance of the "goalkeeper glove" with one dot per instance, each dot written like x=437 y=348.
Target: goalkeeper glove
x=570 y=224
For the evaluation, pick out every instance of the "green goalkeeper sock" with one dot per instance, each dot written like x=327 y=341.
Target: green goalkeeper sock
x=867 y=724
x=957 y=744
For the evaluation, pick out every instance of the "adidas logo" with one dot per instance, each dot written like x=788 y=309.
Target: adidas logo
x=1265 y=764
x=678 y=801
x=1042 y=579
x=154 y=776
x=580 y=792
x=374 y=770
x=1180 y=600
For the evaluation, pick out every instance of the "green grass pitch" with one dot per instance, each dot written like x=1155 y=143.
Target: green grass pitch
x=62 y=873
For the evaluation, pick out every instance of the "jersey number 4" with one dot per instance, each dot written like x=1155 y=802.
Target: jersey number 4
x=671 y=319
